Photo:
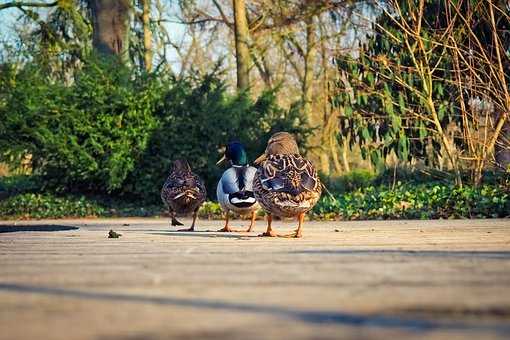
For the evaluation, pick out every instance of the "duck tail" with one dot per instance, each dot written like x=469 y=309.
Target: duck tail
x=242 y=199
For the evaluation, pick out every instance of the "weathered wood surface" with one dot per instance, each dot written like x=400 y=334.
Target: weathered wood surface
x=367 y=280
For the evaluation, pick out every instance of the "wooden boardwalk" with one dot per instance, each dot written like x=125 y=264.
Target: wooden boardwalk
x=344 y=280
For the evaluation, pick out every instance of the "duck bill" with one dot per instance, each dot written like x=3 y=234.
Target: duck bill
x=222 y=159
x=261 y=158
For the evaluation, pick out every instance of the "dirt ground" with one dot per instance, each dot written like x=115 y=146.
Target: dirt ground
x=64 y=279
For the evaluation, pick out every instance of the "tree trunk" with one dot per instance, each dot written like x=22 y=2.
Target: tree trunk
x=111 y=23
x=147 y=35
x=242 y=51
x=345 y=154
x=502 y=147
x=309 y=61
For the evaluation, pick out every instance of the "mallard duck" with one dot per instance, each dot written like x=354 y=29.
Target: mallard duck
x=183 y=192
x=286 y=184
x=235 y=188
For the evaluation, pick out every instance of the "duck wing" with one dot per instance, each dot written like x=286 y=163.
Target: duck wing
x=237 y=179
x=178 y=184
x=235 y=188
x=286 y=185
x=290 y=174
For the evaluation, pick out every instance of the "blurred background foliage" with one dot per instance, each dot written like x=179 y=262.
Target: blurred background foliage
x=389 y=99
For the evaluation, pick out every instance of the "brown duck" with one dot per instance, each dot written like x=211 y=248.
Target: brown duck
x=183 y=193
x=286 y=184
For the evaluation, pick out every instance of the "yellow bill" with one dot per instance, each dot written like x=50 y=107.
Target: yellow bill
x=221 y=160
x=260 y=159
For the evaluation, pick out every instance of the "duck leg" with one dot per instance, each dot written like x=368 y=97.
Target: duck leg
x=192 y=228
x=269 y=232
x=297 y=233
x=252 y=222
x=226 y=228
x=174 y=221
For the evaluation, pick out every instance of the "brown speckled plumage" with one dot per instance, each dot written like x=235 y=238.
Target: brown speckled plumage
x=300 y=186
x=286 y=184
x=183 y=191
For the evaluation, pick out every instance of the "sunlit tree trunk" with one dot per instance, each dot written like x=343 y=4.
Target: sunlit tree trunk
x=502 y=147
x=309 y=63
x=242 y=36
x=147 y=35
x=111 y=19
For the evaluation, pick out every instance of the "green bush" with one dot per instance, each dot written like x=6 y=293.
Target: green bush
x=31 y=205
x=350 y=181
x=83 y=137
x=406 y=201
x=423 y=201
x=210 y=210
x=196 y=119
x=111 y=131
x=361 y=178
x=48 y=206
x=18 y=184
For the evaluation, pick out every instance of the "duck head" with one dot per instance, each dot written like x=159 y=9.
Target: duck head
x=235 y=153
x=181 y=165
x=280 y=143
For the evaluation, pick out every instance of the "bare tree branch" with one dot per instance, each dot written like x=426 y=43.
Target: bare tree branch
x=20 y=4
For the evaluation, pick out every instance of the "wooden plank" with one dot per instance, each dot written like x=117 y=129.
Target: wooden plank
x=378 y=279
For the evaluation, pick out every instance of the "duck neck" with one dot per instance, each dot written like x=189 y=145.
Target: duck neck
x=237 y=156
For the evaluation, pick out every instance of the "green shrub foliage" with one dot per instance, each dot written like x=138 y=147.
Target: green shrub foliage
x=86 y=136
x=32 y=205
x=405 y=201
x=349 y=181
x=195 y=120
x=417 y=201
x=112 y=131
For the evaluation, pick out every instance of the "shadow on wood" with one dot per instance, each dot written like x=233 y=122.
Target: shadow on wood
x=42 y=227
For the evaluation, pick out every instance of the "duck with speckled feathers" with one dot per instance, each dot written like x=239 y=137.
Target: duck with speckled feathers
x=286 y=184
x=235 y=188
x=183 y=193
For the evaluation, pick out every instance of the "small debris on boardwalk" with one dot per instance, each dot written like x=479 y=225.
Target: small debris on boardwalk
x=113 y=234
